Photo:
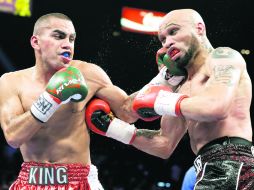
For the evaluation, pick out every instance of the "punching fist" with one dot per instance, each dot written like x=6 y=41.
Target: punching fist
x=101 y=120
x=143 y=103
x=171 y=73
x=155 y=100
x=67 y=84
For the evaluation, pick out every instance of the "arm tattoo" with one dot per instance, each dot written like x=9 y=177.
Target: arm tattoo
x=147 y=133
x=223 y=52
x=224 y=74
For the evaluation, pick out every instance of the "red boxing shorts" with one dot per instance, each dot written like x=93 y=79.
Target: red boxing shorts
x=40 y=176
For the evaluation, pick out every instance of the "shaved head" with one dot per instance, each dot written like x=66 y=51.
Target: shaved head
x=181 y=16
x=183 y=30
x=43 y=21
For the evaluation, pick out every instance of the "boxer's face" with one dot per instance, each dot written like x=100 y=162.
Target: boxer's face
x=178 y=36
x=56 y=42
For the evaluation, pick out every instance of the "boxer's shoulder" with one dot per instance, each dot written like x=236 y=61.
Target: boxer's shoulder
x=18 y=73
x=14 y=78
x=86 y=67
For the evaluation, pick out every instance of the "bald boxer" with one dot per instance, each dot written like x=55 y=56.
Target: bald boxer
x=212 y=105
x=42 y=110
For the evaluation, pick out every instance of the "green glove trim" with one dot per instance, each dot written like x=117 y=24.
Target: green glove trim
x=172 y=66
x=66 y=83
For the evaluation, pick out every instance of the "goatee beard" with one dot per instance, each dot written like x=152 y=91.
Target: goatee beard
x=184 y=61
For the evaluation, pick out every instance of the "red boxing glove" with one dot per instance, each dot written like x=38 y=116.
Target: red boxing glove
x=101 y=120
x=155 y=100
x=143 y=103
x=94 y=109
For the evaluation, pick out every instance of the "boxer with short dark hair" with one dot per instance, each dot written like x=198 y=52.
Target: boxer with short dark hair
x=212 y=104
x=42 y=110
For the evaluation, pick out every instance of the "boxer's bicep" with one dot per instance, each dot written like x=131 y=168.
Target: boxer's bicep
x=226 y=67
x=10 y=104
x=115 y=96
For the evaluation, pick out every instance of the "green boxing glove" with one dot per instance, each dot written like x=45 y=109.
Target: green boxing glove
x=163 y=58
x=67 y=84
x=173 y=74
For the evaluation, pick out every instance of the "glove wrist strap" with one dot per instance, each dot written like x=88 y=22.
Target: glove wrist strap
x=164 y=78
x=168 y=103
x=44 y=107
x=121 y=131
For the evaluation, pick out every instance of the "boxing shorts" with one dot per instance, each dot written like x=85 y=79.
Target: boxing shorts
x=93 y=180
x=45 y=176
x=225 y=163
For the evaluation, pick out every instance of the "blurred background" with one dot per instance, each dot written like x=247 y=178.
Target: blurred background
x=106 y=37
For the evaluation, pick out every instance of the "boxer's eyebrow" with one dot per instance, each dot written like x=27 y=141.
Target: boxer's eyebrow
x=168 y=25
x=64 y=34
x=59 y=32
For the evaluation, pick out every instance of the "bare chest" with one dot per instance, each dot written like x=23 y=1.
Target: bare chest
x=194 y=86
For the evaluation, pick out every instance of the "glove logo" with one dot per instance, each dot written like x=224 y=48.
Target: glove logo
x=66 y=84
x=172 y=80
x=167 y=75
x=42 y=105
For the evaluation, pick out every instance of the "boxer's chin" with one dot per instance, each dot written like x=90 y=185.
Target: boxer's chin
x=61 y=66
x=66 y=60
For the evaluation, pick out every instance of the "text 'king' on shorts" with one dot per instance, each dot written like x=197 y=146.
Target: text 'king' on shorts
x=44 y=176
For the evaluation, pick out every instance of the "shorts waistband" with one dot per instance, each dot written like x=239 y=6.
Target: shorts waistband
x=51 y=174
x=224 y=141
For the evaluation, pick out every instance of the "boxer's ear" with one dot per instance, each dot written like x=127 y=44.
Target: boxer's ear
x=200 y=28
x=34 y=42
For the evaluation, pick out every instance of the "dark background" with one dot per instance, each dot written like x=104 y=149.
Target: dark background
x=129 y=59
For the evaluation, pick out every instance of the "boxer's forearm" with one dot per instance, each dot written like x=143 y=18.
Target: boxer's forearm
x=20 y=129
x=205 y=108
x=130 y=116
x=153 y=143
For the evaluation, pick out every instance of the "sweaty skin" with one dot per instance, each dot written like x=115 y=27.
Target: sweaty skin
x=218 y=86
x=64 y=138
x=223 y=93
